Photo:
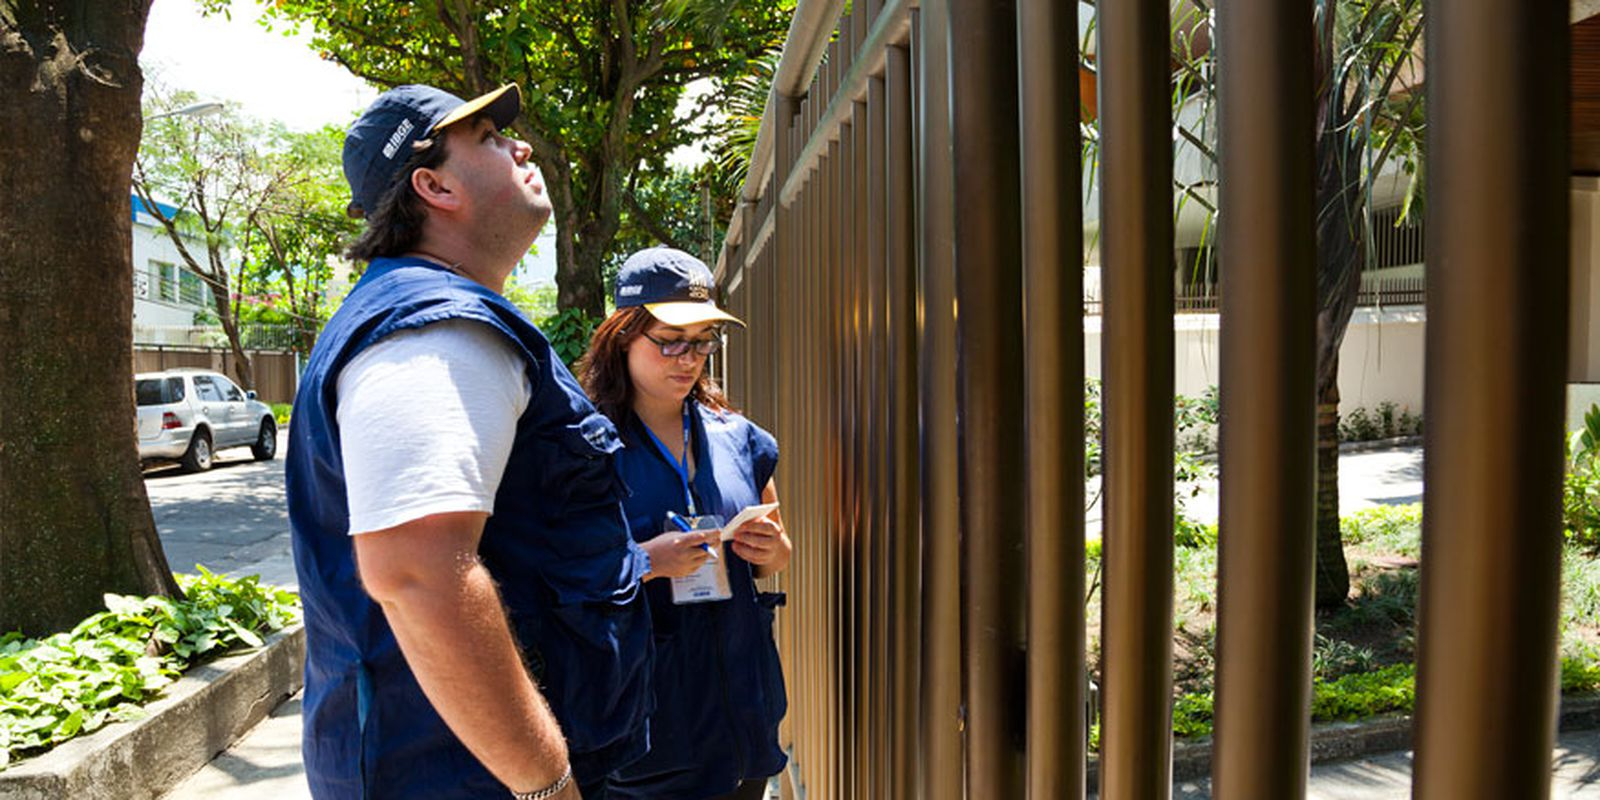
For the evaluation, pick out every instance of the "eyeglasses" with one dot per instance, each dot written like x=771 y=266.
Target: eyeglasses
x=672 y=348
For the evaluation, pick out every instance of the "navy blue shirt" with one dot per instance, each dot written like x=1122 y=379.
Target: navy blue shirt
x=558 y=545
x=719 y=684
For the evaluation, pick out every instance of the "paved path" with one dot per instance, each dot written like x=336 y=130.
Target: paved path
x=233 y=520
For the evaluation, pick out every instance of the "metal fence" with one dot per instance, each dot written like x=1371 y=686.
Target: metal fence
x=908 y=255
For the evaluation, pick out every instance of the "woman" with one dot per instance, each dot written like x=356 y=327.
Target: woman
x=719 y=685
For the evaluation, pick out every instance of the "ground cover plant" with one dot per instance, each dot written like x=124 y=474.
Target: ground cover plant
x=61 y=686
x=1363 y=653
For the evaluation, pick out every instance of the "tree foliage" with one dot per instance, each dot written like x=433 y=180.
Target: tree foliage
x=264 y=205
x=600 y=82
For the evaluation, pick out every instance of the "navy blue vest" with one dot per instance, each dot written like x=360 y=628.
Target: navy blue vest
x=557 y=544
x=719 y=684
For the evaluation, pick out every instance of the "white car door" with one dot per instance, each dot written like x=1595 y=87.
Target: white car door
x=214 y=408
x=241 y=429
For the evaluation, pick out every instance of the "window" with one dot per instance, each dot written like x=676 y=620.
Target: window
x=206 y=390
x=149 y=393
x=164 y=281
x=229 y=391
x=191 y=290
x=158 y=391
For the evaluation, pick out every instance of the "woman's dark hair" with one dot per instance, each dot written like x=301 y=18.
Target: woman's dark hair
x=395 y=226
x=603 y=370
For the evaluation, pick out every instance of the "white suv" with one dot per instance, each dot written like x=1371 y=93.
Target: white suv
x=189 y=414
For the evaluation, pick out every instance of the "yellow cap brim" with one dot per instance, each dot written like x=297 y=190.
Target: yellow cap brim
x=501 y=105
x=688 y=313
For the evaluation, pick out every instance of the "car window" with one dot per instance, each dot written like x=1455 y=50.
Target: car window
x=149 y=392
x=174 y=390
x=229 y=391
x=206 y=390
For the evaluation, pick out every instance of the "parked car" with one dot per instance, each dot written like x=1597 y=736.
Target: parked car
x=189 y=414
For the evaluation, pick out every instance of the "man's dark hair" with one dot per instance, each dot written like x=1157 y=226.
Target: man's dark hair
x=395 y=226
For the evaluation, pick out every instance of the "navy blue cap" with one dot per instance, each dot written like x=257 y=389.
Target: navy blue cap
x=379 y=143
x=676 y=287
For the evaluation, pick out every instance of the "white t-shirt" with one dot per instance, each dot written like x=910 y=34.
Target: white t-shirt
x=426 y=421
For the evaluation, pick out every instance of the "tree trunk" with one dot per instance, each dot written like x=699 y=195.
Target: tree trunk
x=75 y=521
x=242 y=369
x=1340 y=257
x=1333 y=574
x=578 y=282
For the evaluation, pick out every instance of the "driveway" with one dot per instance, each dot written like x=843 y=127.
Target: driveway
x=231 y=519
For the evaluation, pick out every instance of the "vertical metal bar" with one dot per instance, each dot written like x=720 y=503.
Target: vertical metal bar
x=983 y=99
x=838 y=744
x=1052 y=255
x=901 y=329
x=1137 y=359
x=1268 y=436
x=849 y=300
x=1498 y=249
x=877 y=445
x=940 y=773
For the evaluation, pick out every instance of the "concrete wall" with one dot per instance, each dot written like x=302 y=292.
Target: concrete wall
x=1381 y=358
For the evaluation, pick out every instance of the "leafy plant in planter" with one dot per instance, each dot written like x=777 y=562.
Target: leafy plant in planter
x=64 y=685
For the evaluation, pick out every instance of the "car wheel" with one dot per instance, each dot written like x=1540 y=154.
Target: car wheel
x=266 y=445
x=198 y=457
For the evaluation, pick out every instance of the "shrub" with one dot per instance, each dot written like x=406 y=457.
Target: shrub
x=1333 y=658
x=58 y=687
x=1193 y=714
x=568 y=331
x=1579 y=674
x=280 y=413
x=1580 y=500
x=1387 y=421
x=1358 y=426
x=1397 y=527
x=1364 y=694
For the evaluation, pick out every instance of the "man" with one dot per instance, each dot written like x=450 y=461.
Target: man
x=474 y=622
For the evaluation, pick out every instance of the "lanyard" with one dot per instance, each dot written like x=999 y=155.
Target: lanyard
x=680 y=467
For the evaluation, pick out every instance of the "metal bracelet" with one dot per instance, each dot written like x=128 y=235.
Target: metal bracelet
x=548 y=791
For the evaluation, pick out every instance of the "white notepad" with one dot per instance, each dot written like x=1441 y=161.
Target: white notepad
x=749 y=513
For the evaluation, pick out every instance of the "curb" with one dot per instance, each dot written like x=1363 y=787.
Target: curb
x=201 y=715
x=1372 y=445
x=1338 y=741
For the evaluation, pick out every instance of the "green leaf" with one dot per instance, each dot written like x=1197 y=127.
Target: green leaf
x=245 y=635
x=12 y=680
x=70 y=726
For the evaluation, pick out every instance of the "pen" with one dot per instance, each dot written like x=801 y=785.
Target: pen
x=683 y=525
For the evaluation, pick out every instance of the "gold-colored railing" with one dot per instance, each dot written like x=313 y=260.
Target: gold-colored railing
x=908 y=255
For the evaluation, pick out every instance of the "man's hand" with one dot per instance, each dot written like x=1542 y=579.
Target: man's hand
x=676 y=554
x=446 y=614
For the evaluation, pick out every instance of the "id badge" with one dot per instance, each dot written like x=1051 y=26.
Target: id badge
x=709 y=583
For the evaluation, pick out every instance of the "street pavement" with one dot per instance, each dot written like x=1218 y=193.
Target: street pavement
x=233 y=520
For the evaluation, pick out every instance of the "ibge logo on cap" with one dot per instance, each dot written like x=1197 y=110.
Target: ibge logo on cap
x=697 y=290
x=397 y=137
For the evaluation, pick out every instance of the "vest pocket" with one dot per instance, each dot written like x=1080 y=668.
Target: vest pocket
x=582 y=471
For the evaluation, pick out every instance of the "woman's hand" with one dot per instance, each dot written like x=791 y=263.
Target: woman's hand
x=764 y=544
x=676 y=554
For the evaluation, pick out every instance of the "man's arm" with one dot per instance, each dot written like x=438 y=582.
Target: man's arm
x=446 y=613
